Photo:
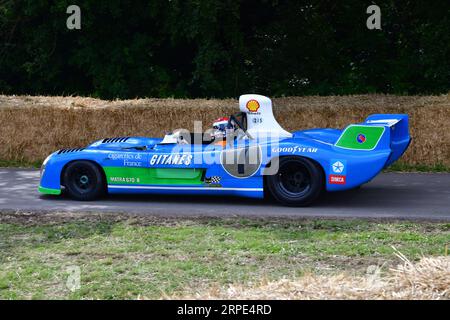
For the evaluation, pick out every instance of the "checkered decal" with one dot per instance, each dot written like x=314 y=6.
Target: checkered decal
x=213 y=180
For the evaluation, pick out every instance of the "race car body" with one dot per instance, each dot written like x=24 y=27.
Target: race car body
x=254 y=157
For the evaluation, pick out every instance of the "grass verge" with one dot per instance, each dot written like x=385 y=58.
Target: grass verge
x=20 y=164
x=404 y=167
x=123 y=257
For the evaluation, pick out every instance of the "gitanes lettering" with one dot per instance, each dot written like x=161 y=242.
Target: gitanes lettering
x=171 y=159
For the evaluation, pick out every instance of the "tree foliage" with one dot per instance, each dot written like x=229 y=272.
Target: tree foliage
x=222 y=48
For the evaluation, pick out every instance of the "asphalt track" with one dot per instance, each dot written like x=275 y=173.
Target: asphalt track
x=390 y=195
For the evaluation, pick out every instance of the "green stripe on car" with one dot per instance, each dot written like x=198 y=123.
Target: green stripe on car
x=153 y=176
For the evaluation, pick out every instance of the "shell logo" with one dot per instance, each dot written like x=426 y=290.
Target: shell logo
x=252 y=105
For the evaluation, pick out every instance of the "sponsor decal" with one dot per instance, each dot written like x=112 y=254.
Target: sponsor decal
x=125 y=156
x=128 y=163
x=213 y=181
x=252 y=106
x=125 y=179
x=129 y=159
x=338 y=170
x=294 y=149
x=336 y=179
x=171 y=159
x=361 y=138
x=339 y=167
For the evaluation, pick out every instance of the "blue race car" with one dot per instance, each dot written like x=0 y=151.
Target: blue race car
x=247 y=154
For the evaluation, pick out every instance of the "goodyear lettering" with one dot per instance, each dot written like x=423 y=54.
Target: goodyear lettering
x=294 y=149
x=166 y=159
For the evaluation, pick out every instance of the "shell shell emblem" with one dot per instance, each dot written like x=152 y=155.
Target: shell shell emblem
x=252 y=105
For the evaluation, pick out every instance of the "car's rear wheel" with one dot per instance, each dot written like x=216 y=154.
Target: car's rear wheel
x=83 y=180
x=298 y=182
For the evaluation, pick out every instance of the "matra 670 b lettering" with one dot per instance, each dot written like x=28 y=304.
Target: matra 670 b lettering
x=246 y=154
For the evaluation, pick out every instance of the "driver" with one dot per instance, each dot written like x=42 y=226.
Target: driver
x=220 y=128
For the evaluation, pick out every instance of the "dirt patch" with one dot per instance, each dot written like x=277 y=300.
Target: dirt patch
x=35 y=218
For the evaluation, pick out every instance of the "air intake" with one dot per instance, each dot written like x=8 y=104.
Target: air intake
x=70 y=150
x=115 y=140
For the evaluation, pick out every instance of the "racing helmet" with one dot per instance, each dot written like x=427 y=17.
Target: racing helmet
x=220 y=126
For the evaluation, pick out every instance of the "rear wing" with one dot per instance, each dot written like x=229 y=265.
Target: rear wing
x=378 y=132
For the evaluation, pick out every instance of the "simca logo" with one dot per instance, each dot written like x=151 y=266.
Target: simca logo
x=252 y=105
x=336 y=179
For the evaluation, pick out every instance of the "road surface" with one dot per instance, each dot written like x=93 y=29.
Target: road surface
x=390 y=195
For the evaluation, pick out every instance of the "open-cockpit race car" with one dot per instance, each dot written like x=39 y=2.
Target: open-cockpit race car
x=247 y=154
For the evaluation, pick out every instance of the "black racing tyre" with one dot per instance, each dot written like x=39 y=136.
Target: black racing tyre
x=83 y=181
x=298 y=182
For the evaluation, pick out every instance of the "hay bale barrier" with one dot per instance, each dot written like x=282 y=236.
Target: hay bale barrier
x=33 y=127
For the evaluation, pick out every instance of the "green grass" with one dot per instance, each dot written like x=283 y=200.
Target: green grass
x=403 y=167
x=19 y=164
x=150 y=257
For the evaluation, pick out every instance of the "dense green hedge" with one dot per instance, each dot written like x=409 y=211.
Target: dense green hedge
x=197 y=48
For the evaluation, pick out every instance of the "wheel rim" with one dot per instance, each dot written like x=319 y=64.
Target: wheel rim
x=294 y=179
x=82 y=179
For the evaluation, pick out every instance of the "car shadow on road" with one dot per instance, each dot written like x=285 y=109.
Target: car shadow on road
x=364 y=197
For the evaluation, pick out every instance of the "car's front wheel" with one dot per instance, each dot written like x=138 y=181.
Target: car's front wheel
x=298 y=181
x=83 y=180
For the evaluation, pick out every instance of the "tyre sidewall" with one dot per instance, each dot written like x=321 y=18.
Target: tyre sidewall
x=93 y=194
x=316 y=186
